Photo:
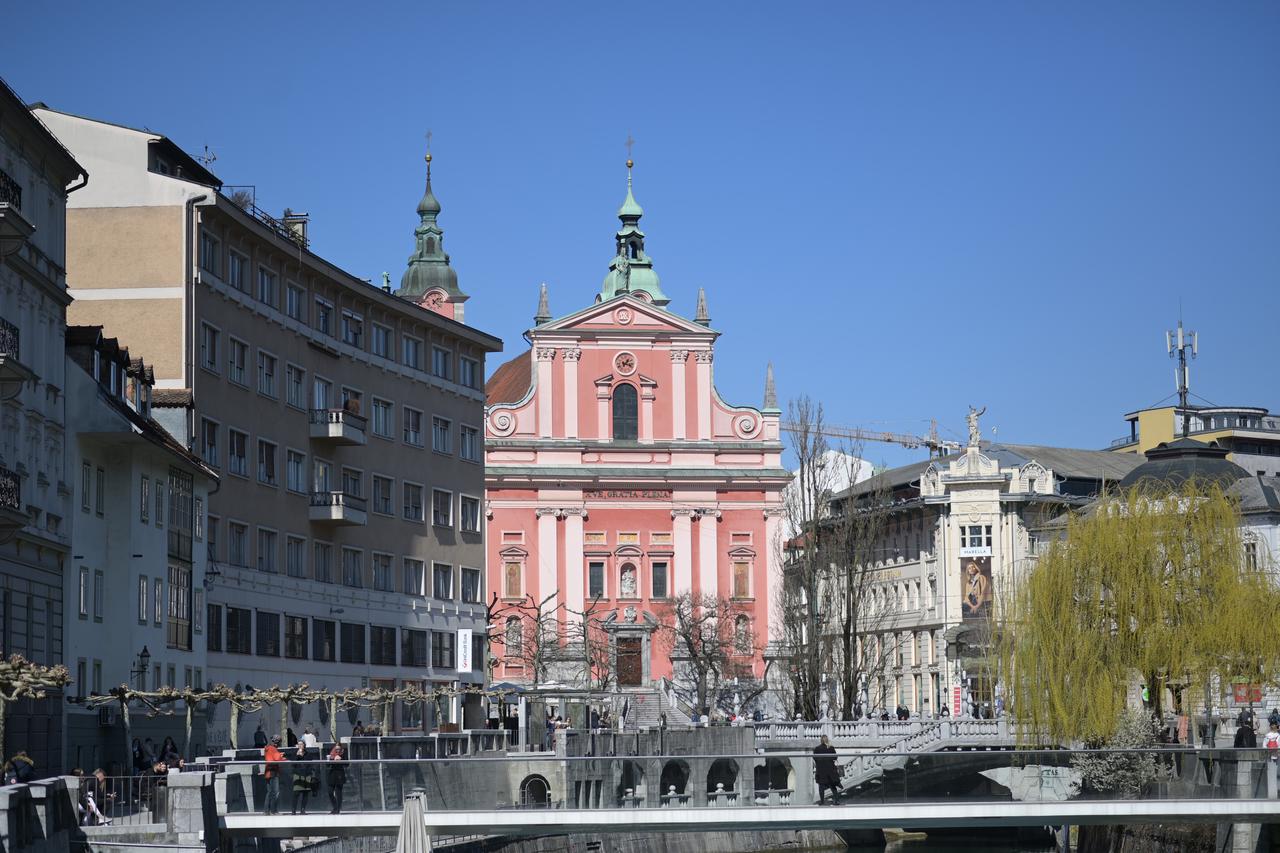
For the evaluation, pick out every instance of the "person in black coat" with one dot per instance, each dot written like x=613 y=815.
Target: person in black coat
x=824 y=771
x=336 y=775
x=1246 y=737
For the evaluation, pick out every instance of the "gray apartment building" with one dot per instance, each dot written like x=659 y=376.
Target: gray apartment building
x=345 y=539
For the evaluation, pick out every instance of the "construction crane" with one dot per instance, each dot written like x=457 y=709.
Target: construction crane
x=937 y=446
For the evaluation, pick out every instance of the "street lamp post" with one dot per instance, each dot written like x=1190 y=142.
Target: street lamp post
x=139 y=669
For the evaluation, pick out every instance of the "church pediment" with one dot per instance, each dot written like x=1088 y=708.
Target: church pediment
x=626 y=312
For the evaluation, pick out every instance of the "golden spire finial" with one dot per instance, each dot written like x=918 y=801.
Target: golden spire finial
x=630 y=142
x=428 y=157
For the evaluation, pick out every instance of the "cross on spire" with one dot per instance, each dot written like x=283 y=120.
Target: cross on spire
x=428 y=157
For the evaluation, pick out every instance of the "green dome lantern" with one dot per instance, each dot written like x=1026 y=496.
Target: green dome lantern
x=631 y=270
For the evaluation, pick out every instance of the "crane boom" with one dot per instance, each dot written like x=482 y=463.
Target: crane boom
x=936 y=446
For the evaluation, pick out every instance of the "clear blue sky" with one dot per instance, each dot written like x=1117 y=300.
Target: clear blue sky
x=907 y=207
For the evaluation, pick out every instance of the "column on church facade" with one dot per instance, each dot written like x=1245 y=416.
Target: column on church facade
x=679 y=419
x=682 y=536
x=703 y=358
x=646 y=412
x=547 y=558
x=546 y=396
x=573 y=561
x=602 y=430
x=772 y=548
x=708 y=564
x=571 y=358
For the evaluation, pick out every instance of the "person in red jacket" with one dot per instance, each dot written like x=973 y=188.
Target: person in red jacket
x=272 y=755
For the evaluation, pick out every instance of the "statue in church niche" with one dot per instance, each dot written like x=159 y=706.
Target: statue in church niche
x=975 y=434
x=628 y=587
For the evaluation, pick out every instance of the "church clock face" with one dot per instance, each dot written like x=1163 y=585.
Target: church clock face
x=435 y=299
x=625 y=363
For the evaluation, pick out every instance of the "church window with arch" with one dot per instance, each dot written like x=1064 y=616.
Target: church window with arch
x=626 y=413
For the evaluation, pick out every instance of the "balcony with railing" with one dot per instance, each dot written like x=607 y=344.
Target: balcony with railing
x=14 y=227
x=12 y=516
x=338 y=508
x=338 y=426
x=13 y=373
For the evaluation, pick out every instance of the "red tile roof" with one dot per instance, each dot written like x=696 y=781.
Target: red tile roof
x=510 y=382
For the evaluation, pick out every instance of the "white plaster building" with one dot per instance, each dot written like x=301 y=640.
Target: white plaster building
x=36 y=173
x=134 y=586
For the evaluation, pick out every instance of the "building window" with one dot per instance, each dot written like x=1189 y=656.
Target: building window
x=441 y=508
x=412 y=427
x=415 y=577
x=380 y=341
x=412 y=352
x=382 y=646
x=413 y=648
x=266 y=374
x=470 y=514
x=324 y=643
x=100 y=492
x=442 y=649
x=975 y=536
x=266 y=286
x=441 y=363
x=210 y=253
x=239 y=631
x=625 y=413
x=209 y=442
x=144 y=587
x=353 y=482
x=236 y=361
x=320 y=475
x=322 y=562
x=85 y=592
x=321 y=394
x=208 y=347
x=268 y=634
x=266 y=550
x=197 y=611
x=352 y=329
x=1251 y=556
x=440 y=433
x=236 y=264
x=266 y=463
x=381 y=420
x=237 y=544
x=86 y=485
x=595 y=580
x=214 y=637
x=382 y=579
x=442 y=581
x=469 y=372
x=294 y=299
x=658 y=572
x=471 y=586
x=295 y=637
x=144 y=504
x=351 y=649
x=324 y=316
x=511 y=572
x=741 y=579
x=295 y=380
x=382 y=495
x=198 y=519
x=238 y=452
x=295 y=471
x=159 y=502
x=469 y=444
x=179 y=626
x=412 y=502
x=352 y=570
x=295 y=556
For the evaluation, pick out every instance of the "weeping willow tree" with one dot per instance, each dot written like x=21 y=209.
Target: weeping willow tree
x=1142 y=588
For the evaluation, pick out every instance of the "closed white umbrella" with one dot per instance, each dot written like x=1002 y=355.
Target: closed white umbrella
x=413 y=836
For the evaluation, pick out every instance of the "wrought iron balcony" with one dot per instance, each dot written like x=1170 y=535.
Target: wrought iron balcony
x=13 y=373
x=10 y=191
x=339 y=426
x=12 y=516
x=338 y=508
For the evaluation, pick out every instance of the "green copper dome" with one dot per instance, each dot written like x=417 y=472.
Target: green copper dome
x=429 y=264
x=631 y=270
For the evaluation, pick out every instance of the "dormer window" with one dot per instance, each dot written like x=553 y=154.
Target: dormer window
x=625 y=413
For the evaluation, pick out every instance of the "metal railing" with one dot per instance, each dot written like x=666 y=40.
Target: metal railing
x=245 y=197
x=10 y=337
x=340 y=499
x=10 y=490
x=338 y=416
x=122 y=800
x=10 y=191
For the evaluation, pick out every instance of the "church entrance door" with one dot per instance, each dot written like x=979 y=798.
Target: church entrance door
x=630 y=665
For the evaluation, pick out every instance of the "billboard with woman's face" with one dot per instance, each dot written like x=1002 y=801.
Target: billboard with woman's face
x=975 y=587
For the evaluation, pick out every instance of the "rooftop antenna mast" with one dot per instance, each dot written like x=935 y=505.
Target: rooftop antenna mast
x=207 y=158
x=1178 y=344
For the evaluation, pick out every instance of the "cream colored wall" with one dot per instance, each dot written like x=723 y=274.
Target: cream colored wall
x=150 y=328
x=124 y=247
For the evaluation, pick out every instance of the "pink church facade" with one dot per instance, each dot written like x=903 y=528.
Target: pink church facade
x=617 y=478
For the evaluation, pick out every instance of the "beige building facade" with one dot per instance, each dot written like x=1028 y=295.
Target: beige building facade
x=344 y=543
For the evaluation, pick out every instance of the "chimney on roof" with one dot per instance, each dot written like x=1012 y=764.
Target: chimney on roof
x=296 y=223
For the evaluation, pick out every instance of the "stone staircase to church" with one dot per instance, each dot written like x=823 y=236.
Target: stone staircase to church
x=644 y=709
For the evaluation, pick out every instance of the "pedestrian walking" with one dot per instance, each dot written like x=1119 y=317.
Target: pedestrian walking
x=304 y=781
x=824 y=771
x=1246 y=737
x=259 y=738
x=309 y=738
x=336 y=776
x=272 y=755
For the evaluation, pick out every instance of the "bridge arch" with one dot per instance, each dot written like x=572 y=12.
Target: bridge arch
x=535 y=791
x=724 y=771
x=776 y=774
x=675 y=774
x=632 y=777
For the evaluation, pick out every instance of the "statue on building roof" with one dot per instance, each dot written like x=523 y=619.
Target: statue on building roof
x=975 y=434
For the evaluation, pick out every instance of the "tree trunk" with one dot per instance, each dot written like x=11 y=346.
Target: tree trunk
x=186 y=746
x=333 y=718
x=4 y=711
x=124 y=723
x=284 y=721
x=235 y=724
